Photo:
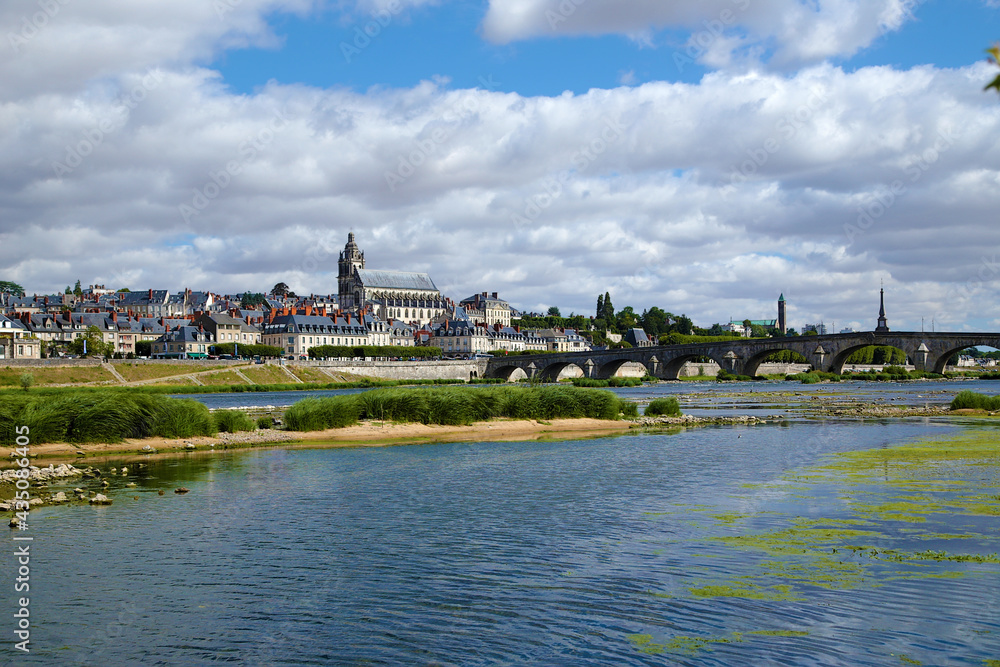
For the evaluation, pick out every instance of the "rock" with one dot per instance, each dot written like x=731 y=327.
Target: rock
x=181 y=490
x=14 y=522
x=35 y=501
x=160 y=492
x=131 y=484
x=79 y=453
x=78 y=490
x=6 y=506
x=105 y=483
x=124 y=471
x=60 y=497
x=100 y=499
x=189 y=446
x=114 y=470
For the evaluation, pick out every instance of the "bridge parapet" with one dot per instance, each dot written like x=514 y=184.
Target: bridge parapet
x=928 y=351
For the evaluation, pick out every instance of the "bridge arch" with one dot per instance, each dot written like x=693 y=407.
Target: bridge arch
x=840 y=359
x=551 y=372
x=672 y=369
x=611 y=368
x=751 y=365
x=941 y=363
x=510 y=373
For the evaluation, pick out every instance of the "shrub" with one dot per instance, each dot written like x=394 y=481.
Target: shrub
x=265 y=422
x=970 y=400
x=232 y=421
x=26 y=380
x=668 y=407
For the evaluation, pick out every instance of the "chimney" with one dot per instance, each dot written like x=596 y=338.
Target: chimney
x=309 y=310
x=150 y=294
x=114 y=316
x=322 y=310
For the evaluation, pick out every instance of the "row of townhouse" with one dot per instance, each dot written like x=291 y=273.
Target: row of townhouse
x=16 y=342
x=465 y=337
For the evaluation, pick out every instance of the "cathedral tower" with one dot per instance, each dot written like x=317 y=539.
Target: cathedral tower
x=350 y=259
x=782 y=322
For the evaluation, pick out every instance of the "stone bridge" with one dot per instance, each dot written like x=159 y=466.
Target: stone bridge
x=742 y=356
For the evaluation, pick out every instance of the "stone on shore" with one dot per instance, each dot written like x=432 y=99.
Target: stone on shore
x=100 y=499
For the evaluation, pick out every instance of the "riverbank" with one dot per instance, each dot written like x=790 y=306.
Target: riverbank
x=370 y=434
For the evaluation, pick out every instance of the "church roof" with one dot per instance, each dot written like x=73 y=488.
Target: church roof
x=396 y=280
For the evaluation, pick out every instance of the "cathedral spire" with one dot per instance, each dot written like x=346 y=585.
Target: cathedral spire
x=883 y=324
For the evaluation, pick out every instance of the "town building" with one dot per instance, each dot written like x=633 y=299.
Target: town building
x=16 y=342
x=297 y=334
x=185 y=342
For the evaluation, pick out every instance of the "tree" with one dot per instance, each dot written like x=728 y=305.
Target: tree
x=124 y=290
x=995 y=56
x=95 y=345
x=281 y=289
x=600 y=306
x=77 y=290
x=13 y=289
x=554 y=311
x=143 y=348
x=69 y=290
x=27 y=379
x=251 y=300
x=654 y=321
x=626 y=319
x=608 y=314
x=684 y=325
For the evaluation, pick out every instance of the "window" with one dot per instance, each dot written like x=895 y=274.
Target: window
x=291 y=340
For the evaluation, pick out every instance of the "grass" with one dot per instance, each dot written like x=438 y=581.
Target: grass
x=456 y=406
x=610 y=382
x=222 y=378
x=266 y=374
x=233 y=421
x=110 y=415
x=11 y=377
x=970 y=400
x=135 y=372
x=308 y=374
x=668 y=407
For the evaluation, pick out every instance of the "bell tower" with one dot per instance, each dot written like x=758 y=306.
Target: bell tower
x=883 y=323
x=350 y=259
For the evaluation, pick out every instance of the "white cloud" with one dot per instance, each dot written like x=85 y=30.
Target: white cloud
x=707 y=199
x=796 y=31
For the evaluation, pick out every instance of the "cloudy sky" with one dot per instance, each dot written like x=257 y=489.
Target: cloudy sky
x=700 y=156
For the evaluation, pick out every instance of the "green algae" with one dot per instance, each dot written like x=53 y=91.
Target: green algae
x=746 y=590
x=908 y=660
x=644 y=644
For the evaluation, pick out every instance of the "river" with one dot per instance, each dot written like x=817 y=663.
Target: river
x=624 y=550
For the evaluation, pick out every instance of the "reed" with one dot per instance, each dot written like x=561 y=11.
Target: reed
x=970 y=400
x=233 y=421
x=667 y=407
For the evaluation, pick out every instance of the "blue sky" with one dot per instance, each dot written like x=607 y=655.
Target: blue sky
x=445 y=41
x=815 y=148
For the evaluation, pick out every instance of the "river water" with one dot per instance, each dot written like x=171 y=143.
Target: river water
x=584 y=552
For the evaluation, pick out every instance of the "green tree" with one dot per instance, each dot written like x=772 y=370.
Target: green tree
x=600 y=306
x=77 y=289
x=995 y=57
x=608 y=314
x=554 y=311
x=27 y=379
x=654 y=321
x=626 y=319
x=95 y=347
x=7 y=287
x=251 y=300
x=281 y=289
x=143 y=348
x=683 y=325
x=69 y=290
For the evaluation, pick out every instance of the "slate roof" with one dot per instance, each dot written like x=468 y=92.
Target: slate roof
x=396 y=280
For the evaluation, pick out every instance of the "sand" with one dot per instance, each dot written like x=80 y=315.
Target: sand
x=366 y=434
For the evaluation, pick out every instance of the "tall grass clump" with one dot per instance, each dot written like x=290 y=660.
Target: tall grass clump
x=101 y=416
x=232 y=421
x=317 y=414
x=667 y=407
x=970 y=400
x=183 y=418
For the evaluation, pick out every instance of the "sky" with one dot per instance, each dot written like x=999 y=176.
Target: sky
x=703 y=157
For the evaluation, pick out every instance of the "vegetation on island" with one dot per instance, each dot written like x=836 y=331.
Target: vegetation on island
x=457 y=406
x=970 y=400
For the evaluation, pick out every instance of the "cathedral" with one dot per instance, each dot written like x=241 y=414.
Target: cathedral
x=390 y=295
